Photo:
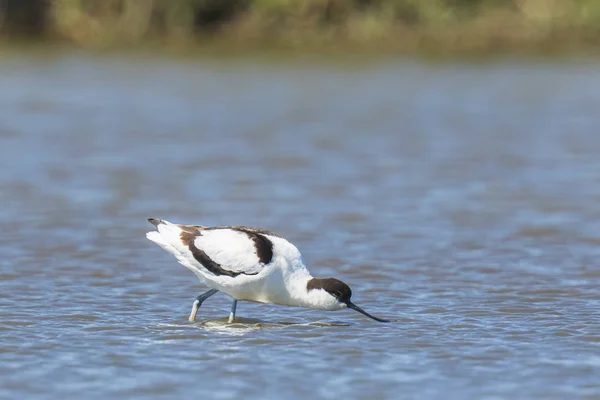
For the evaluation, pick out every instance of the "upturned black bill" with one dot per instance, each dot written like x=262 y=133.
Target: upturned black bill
x=360 y=310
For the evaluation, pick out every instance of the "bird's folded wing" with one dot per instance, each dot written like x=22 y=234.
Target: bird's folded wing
x=231 y=252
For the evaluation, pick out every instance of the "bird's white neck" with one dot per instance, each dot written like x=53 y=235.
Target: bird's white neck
x=300 y=295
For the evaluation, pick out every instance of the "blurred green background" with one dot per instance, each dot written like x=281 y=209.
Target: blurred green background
x=379 y=25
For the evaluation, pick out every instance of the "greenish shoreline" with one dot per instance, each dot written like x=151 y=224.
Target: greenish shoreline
x=339 y=26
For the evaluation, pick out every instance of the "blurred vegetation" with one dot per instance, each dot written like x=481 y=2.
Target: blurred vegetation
x=409 y=25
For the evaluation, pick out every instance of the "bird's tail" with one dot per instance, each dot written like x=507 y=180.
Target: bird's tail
x=167 y=235
x=175 y=239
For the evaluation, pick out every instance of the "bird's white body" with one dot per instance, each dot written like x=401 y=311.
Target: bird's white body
x=241 y=266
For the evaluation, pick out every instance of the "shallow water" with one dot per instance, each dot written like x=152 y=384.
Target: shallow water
x=459 y=200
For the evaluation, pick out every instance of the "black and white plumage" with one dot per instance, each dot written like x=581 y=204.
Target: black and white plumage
x=249 y=264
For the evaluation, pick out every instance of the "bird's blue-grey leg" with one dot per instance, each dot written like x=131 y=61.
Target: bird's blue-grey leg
x=232 y=314
x=198 y=303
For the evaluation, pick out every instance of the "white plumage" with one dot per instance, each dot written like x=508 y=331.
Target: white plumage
x=230 y=248
x=249 y=264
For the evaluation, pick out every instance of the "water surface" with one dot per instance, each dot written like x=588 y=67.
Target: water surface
x=459 y=200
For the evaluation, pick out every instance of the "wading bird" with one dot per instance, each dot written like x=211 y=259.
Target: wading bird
x=249 y=264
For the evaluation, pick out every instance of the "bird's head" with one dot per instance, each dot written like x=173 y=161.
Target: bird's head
x=333 y=294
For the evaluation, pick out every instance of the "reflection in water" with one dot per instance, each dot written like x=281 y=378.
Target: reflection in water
x=458 y=200
x=242 y=326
